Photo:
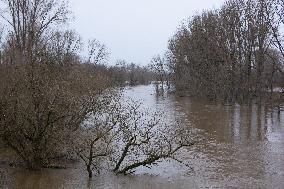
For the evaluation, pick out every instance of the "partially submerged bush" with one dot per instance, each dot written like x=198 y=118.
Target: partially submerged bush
x=39 y=111
x=126 y=136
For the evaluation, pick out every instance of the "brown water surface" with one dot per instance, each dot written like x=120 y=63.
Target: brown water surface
x=240 y=147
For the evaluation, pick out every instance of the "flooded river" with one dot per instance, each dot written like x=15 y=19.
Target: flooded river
x=240 y=147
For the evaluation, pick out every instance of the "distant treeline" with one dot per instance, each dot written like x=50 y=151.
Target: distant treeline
x=131 y=74
x=235 y=53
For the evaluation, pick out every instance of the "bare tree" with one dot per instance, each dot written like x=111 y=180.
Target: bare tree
x=121 y=135
x=92 y=142
x=158 y=67
x=98 y=53
x=28 y=21
x=144 y=140
x=63 y=47
x=225 y=53
x=46 y=93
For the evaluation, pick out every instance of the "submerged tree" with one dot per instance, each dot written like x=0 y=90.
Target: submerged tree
x=92 y=142
x=144 y=139
x=120 y=135
x=161 y=70
x=45 y=93
x=226 y=54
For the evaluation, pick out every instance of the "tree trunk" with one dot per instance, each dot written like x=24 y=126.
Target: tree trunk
x=90 y=172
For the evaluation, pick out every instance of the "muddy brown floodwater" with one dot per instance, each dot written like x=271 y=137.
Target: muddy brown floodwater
x=240 y=147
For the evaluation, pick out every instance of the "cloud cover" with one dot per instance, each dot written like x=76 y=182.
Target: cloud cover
x=134 y=30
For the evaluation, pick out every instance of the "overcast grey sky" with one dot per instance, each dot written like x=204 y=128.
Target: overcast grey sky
x=134 y=30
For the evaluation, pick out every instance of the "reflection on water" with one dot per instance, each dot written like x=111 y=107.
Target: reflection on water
x=240 y=147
